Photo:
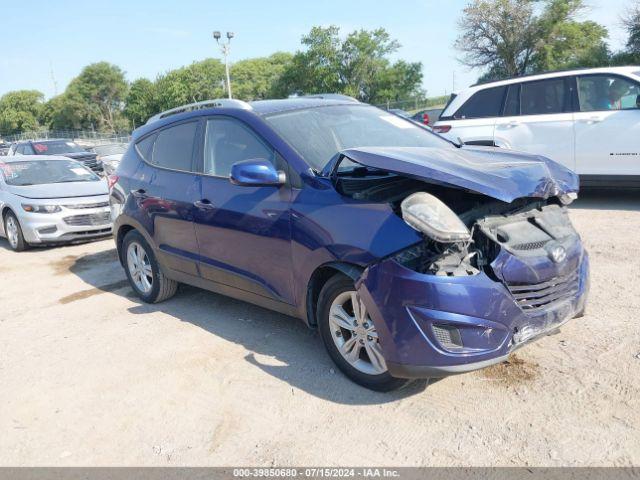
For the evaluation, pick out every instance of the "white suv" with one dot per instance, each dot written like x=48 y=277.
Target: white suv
x=587 y=120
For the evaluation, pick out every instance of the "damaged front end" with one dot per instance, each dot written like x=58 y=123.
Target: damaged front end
x=488 y=276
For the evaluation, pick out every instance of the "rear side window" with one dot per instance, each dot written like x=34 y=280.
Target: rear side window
x=483 y=104
x=228 y=141
x=145 y=147
x=543 y=97
x=173 y=147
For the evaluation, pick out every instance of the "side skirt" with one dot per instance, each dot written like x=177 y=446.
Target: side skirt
x=233 y=292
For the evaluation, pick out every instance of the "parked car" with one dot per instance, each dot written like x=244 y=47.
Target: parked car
x=4 y=148
x=109 y=155
x=428 y=116
x=587 y=120
x=66 y=148
x=413 y=257
x=51 y=199
x=400 y=112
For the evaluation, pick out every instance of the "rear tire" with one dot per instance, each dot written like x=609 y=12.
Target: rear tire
x=13 y=231
x=350 y=337
x=143 y=271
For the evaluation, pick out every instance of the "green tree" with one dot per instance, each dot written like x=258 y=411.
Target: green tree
x=103 y=89
x=631 y=22
x=514 y=37
x=254 y=78
x=194 y=83
x=141 y=101
x=20 y=110
x=358 y=66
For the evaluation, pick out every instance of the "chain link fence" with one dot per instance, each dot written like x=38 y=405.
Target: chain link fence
x=85 y=137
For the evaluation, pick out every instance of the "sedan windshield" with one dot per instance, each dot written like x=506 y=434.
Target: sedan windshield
x=318 y=134
x=40 y=172
x=57 y=147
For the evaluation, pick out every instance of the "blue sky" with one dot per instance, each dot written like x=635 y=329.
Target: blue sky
x=149 y=37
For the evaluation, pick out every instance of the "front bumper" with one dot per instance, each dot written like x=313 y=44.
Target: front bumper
x=47 y=228
x=408 y=308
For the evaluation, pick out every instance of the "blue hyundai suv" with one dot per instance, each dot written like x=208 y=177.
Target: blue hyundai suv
x=413 y=256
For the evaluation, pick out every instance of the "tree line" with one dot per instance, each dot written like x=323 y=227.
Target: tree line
x=100 y=97
x=516 y=37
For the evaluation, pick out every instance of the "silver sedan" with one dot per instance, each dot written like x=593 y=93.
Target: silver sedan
x=49 y=199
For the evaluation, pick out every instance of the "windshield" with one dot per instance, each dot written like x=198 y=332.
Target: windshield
x=56 y=148
x=39 y=172
x=115 y=149
x=319 y=133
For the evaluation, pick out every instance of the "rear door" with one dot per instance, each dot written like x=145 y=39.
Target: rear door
x=538 y=119
x=607 y=125
x=244 y=232
x=166 y=199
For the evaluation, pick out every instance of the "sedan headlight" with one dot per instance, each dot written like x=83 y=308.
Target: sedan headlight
x=428 y=215
x=40 y=208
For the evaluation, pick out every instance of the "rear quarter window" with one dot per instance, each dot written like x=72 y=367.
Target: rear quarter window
x=482 y=104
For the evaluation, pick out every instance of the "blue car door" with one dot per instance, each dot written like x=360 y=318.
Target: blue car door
x=243 y=232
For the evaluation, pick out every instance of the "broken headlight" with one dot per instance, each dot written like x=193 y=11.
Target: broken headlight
x=428 y=215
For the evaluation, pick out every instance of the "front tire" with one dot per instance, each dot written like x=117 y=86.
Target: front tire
x=143 y=271
x=350 y=336
x=13 y=231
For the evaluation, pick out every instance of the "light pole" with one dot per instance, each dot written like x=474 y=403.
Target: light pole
x=225 y=46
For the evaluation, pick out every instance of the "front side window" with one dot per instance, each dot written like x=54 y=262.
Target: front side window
x=607 y=92
x=228 y=141
x=174 y=146
x=39 y=172
x=543 y=97
x=483 y=104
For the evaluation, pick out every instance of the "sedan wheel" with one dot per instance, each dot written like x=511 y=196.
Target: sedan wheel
x=12 y=232
x=139 y=267
x=355 y=335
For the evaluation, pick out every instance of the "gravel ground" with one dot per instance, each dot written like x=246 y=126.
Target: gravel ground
x=90 y=376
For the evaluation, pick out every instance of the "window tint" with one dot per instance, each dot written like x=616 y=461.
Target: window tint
x=145 y=147
x=28 y=149
x=546 y=96
x=229 y=141
x=20 y=149
x=605 y=92
x=512 y=104
x=485 y=103
x=174 y=147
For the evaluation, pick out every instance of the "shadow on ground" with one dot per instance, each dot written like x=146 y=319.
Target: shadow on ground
x=608 y=199
x=279 y=345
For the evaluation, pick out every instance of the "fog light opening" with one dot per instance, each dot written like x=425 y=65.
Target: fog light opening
x=448 y=337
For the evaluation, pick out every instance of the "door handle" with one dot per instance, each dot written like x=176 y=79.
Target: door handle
x=140 y=193
x=593 y=120
x=513 y=124
x=204 y=204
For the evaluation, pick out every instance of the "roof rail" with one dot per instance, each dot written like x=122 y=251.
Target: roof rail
x=329 y=96
x=216 y=103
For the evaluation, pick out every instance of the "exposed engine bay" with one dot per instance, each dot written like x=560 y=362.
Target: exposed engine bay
x=463 y=230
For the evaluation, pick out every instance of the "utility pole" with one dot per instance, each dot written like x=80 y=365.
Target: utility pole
x=225 y=47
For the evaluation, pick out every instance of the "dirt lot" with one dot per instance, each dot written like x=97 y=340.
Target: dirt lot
x=90 y=376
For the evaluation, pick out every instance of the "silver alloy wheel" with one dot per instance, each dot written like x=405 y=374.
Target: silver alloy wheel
x=139 y=267
x=355 y=335
x=12 y=231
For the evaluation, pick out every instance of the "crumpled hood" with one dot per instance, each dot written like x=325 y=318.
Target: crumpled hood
x=61 y=190
x=501 y=174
